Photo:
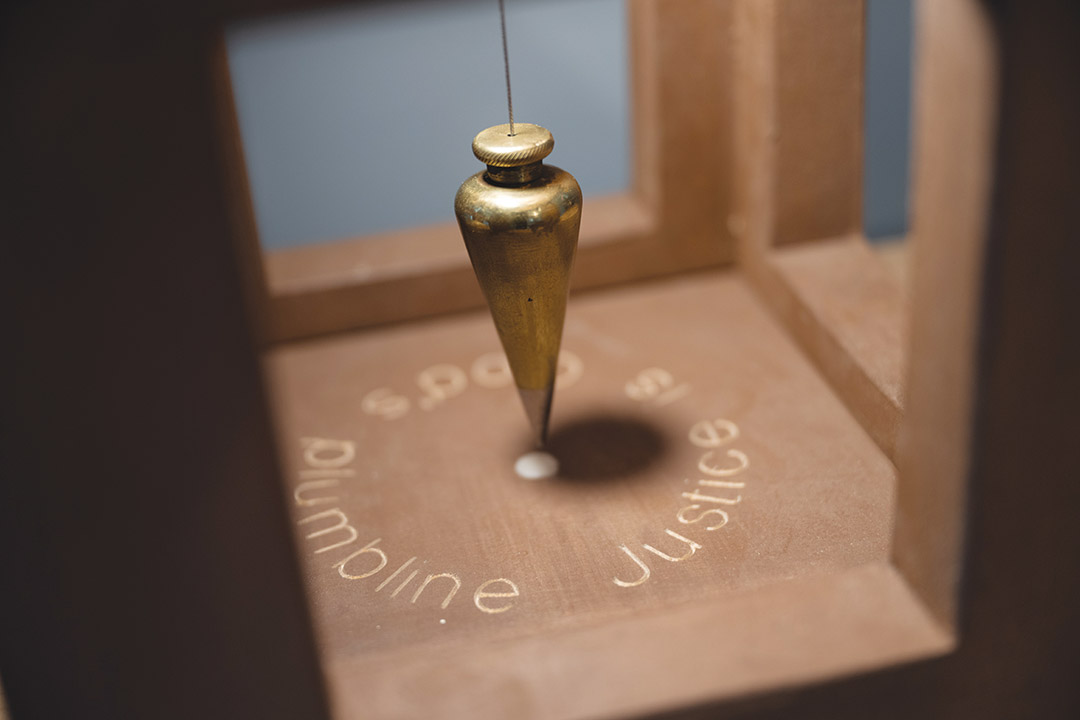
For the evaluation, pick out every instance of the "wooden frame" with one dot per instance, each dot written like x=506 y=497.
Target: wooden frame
x=669 y=220
x=138 y=430
x=799 y=135
x=799 y=242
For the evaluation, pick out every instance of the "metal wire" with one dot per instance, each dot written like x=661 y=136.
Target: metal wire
x=506 y=63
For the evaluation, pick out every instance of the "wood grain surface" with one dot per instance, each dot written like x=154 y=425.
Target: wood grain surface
x=147 y=556
x=373 y=453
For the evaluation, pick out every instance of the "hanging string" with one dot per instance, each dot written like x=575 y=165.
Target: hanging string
x=506 y=64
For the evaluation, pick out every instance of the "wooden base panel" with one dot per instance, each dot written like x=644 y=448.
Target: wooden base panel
x=702 y=461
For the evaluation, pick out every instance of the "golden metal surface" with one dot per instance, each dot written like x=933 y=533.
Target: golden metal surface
x=529 y=143
x=520 y=219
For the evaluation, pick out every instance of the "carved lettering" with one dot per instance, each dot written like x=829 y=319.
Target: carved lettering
x=383 y=402
x=706 y=434
x=369 y=548
x=342 y=524
x=648 y=384
x=694 y=547
x=491 y=370
x=710 y=434
x=722 y=515
x=315 y=485
x=644 y=570
x=705 y=466
x=481 y=593
x=449 y=597
x=721 y=483
x=700 y=497
x=655 y=385
x=342 y=452
x=440 y=383
x=394 y=574
x=405 y=582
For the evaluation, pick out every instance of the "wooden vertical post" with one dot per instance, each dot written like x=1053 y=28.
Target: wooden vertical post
x=954 y=130
x=819 y=119
x=798 y=120
x=148 y=564
x=797 y=202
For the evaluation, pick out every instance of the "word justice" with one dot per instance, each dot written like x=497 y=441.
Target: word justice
x=715 y=492
x=327 y=463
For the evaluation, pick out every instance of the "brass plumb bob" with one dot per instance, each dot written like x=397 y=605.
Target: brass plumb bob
x=519 y=219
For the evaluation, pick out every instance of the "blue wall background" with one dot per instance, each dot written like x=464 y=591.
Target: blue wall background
x=358 y=119
x=887 y=108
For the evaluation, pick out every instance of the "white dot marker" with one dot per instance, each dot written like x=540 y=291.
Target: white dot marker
x=442 y=621
x=536 y=465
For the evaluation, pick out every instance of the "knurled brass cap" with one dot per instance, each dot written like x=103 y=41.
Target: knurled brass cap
x=498 y=148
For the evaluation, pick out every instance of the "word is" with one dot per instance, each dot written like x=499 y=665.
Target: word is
x=656 y=386
x=327 y=463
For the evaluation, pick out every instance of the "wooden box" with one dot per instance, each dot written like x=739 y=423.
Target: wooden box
x=784 y=472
